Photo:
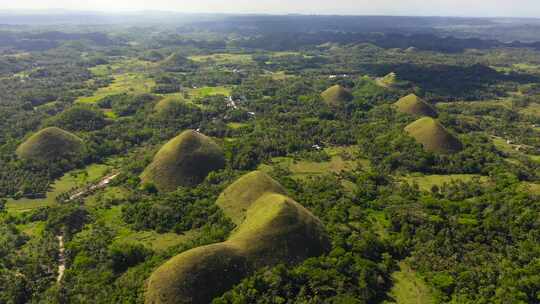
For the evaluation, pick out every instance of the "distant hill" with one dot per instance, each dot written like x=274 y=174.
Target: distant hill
x=166 y=104
x=389 y=80
x=414 y=105
x=433 y=136
x=276 y=230
x=79 y=118
x=336 y=95
x=185 y=160
x=50 y=144
x=177 y=63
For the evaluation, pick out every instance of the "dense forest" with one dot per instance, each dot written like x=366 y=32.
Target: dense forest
x=413 y=142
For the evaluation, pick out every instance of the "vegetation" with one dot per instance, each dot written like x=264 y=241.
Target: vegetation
x=276 y=229
x=336 y=96
x=184 y=161
x=433 y=136
x=414 y=105
x=356 y=198
x=49 y=145
x=236 y=199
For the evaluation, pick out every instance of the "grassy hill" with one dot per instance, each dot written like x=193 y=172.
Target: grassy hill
x=238 y=197
x=166 y=103
x=414 y=105
x=176 y=63
x=433 y=136
x=50 y=144
x=336 y=95
x=276 y=230
x=279 y=230
x=388 y=81
x=185 y=160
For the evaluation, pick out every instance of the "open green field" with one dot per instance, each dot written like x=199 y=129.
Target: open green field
x=67 y=182
x=209 y=91
x=341 y=159
x=121 y=66
x=281 y=75
x=131 y=83
x=532 y=109
x=224 y=58
x=236 y=125
x=526 y=67
x=151 y=239
x=532 y=188
x=426 y=182
x=409 y=288
x=32 y=228
x=511 y=149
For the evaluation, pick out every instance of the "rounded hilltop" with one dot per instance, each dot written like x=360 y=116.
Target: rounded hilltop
x=176 y=63
x=50 y=144
x=279 y=230
x=276 y=230
x=433 y=136
x=185 y=160
x=196 y=276
x=336 y=95
x=238 y=197
x=166 y=104
x=414 y=105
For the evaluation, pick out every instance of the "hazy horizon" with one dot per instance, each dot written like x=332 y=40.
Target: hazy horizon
x=446 y=8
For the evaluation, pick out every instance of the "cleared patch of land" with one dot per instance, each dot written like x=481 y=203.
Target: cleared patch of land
x=236 y=125
x=67 y=182
x=426 y=182
x=409 y=288
x=209 y=91
x=32 y=228
x=532 y=109
x=532 y=187
x=150 y=239
x=131 y=83
x=224 y=58
x=341 y=159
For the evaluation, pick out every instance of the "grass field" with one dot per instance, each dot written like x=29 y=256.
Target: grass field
x=426 y=182
x=510 y=149
x=409 y=288
x=281 y=75
x=532 y=188
x=33 y=228
x=380 y=222
x=236 y=125
x=132 y=83
x=526 y=67
x=341 y=159
x=70 y=180
x=110 y=193
x=209 y=91
x=532 y=109
x=151 y=239
x=223 y=58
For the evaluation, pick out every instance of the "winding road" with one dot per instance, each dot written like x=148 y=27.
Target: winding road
x=104 y=182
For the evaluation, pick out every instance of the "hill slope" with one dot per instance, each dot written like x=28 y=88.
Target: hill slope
x=336 y=95
x=277 y=229
x=433 y=136
x=185 y=160
x=50 y=144
x=414 y=105
x=238 y=197
x=165 y=104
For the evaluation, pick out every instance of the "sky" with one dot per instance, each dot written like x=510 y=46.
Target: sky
x=478 y=8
